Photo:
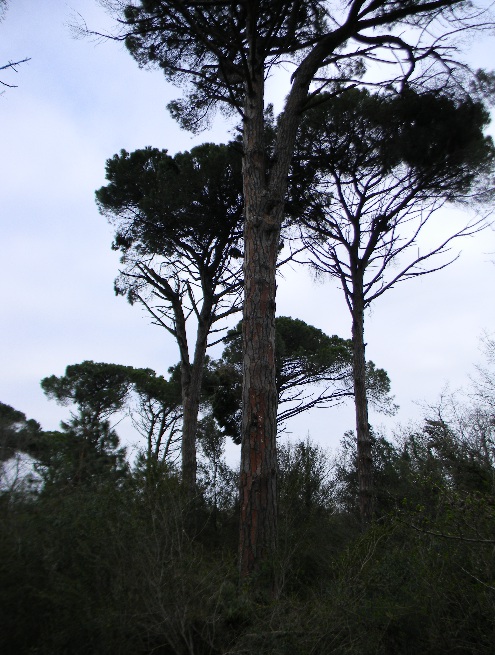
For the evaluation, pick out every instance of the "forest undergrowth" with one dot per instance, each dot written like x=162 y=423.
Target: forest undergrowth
x=102 y=558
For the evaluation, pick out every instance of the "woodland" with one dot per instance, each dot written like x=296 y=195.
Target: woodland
x=385 y=546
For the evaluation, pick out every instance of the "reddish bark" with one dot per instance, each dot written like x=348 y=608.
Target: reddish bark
x=264 y=197
x=258 y=475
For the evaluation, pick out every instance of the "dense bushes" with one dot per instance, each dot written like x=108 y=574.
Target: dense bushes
x=121 y=564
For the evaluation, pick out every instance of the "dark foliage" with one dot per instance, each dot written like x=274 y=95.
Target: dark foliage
x=17 y=433
x=313 y=370
x=162 y=203
x=216 y=65
x=108 y=561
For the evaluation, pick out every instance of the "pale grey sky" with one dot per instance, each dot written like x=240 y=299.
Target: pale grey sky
x=78 y=103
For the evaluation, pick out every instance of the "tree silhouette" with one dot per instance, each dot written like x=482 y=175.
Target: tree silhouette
x=178 y=226
x=101 y=390
x=375 y=169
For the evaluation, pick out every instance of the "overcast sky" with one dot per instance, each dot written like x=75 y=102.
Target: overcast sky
x=76 y=104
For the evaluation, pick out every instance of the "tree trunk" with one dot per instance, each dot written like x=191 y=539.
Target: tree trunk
x=264 y=199
x=258 y=475
x=190 y=408
x=191 y=395
x=364 y=457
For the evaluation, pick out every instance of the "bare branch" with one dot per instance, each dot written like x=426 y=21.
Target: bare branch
x=12 y=66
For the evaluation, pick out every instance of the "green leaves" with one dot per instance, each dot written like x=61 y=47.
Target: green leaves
x=357 y=134
x=98 y=388
x=162 y=204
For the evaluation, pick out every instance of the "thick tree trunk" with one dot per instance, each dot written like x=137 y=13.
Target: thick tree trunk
x=258 y=456
x=264 y=198
x=364 y=457
x=258 y=475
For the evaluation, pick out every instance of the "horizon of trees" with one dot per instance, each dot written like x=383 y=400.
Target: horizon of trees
x=226 y=70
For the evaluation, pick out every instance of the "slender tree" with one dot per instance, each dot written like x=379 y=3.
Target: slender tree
x=178 y=226
x=156 y=412
x=223 y=53
x=382 y=167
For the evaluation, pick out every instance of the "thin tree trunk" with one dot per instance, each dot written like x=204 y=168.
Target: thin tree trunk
x=191 y=400
x=191 y=395
x=364 y=456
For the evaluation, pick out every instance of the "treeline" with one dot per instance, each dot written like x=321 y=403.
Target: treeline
x=98 y=556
